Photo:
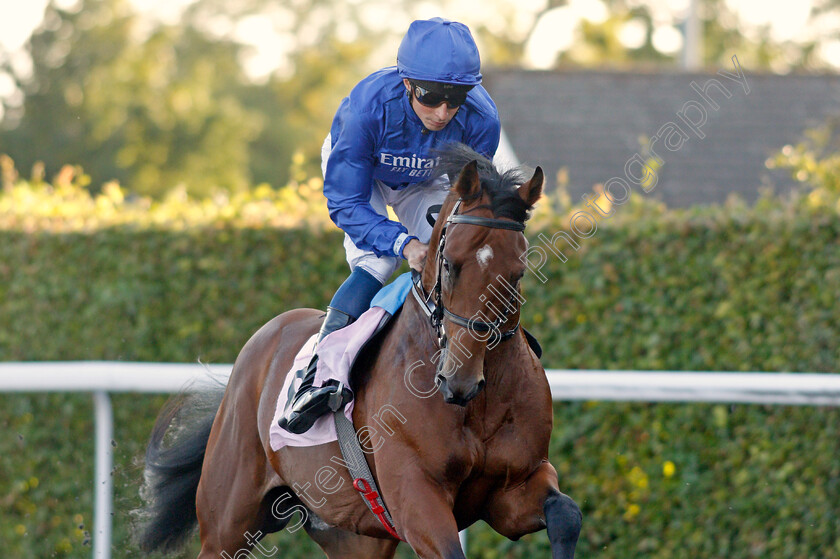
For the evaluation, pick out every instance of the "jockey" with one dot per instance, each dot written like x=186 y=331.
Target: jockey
x=381 y=152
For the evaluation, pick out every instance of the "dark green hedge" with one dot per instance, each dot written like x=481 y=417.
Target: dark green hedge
x=148 y=295
x=730 y=289
x=684 y=291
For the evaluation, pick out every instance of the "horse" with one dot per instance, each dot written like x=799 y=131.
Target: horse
x=455 y=407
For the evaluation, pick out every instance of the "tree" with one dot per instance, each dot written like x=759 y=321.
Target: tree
x=174 y=105
x=152 y=112
x=305 y=105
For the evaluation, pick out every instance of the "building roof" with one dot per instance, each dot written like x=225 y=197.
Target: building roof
x=593 y=123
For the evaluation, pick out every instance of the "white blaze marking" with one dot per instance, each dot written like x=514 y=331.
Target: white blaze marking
x=483 y=256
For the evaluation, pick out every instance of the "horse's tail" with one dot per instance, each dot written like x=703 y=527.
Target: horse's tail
x=173 y=468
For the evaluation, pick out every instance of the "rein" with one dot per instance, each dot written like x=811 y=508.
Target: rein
x=436 y=310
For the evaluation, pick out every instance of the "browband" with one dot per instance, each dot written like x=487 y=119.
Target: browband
x=486 y=222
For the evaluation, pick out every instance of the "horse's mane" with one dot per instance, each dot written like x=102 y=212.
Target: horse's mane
x=500 y=186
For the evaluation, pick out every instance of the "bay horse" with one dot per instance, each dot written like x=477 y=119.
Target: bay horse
x=456 y=421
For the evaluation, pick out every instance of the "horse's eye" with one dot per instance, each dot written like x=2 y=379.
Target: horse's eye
x=450 y=268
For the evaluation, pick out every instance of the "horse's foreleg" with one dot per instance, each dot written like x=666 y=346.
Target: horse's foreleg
x=425 y=520
x=534 y=505
x=563 y=521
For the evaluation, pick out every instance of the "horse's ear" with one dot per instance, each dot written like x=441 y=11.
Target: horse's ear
x=468 y=182
x=532 y=190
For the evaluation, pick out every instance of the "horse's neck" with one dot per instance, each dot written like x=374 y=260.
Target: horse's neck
x=507 y=368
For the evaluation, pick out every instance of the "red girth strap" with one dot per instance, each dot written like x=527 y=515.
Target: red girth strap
x=363 y=487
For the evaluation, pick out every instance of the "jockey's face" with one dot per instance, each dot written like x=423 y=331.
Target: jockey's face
x=433 y=118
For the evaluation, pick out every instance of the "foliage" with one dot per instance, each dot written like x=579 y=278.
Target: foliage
x=815 y=163
x=733 y=288
x=158 y=104
x=299 y=109
x=65 y=205
x=155 y=111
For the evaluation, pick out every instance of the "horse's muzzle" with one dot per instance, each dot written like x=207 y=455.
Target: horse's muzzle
x=460 y=396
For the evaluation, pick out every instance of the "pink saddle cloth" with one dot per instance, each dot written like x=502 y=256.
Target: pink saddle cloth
x=336 y=355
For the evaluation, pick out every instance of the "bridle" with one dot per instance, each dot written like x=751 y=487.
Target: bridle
x=436 y=310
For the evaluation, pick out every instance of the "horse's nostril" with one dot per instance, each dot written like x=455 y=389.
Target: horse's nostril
x=439 y=379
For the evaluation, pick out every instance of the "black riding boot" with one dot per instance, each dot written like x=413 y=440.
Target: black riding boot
x=310 y=403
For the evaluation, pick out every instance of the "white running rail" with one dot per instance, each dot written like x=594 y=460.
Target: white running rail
x=104 y=377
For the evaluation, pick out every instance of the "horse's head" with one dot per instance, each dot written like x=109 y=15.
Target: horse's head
x=473 y=271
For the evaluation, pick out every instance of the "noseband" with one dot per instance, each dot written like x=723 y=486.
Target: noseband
x=436 y=310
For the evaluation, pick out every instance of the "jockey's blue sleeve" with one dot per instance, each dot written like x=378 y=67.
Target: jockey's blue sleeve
x=349 y=180
x=376 y=135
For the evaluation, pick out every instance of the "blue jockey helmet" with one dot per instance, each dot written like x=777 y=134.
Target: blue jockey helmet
x=439 y=50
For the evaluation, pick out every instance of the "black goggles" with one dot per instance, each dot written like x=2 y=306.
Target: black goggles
x=432 y=99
